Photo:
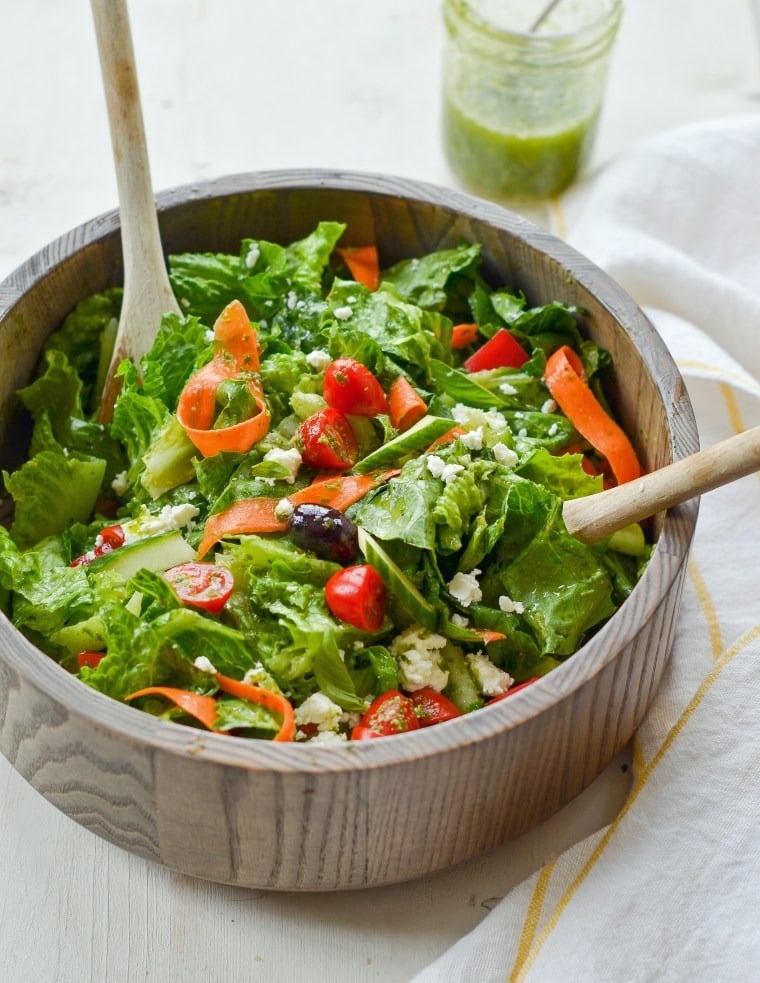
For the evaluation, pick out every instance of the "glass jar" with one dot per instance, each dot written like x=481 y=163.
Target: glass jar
x=521 y=99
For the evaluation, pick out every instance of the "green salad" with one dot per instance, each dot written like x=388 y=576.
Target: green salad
x=328 y=505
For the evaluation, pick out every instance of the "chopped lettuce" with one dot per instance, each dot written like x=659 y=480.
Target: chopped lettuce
x=466 y=530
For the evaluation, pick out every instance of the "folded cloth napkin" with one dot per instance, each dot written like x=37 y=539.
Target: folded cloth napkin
x=670 y=890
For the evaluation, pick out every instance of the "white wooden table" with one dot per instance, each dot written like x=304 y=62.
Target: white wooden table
x=235 y=86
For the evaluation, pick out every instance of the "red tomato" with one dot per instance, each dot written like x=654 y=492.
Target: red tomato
x=90 y=659
x=112 y=535
x=433 y=707
x=109 y=538
x=357 y=595
x=350 y=387
x=202 y=585
x=501 y=351
x=327 y=440
x=391 y=713
x=514 y=689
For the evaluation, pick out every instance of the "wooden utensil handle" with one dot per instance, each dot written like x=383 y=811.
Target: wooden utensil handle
x=592 y=518
x=117 y=62
x=147 y=290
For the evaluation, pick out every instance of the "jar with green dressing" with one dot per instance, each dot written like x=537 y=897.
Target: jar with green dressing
x=523 y=86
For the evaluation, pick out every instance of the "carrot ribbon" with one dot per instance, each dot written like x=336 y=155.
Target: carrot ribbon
x=204 y=708
x=260 y=515
x=266 y=698
x=566 y=381
x=363 y=264
x=406 y=406
x=196 y=705
x=236 y=357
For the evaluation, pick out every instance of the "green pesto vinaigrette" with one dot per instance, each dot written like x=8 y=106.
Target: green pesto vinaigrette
x=510 y=165
x=522 y=93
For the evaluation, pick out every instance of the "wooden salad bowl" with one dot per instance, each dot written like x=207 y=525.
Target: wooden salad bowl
x=305 y=817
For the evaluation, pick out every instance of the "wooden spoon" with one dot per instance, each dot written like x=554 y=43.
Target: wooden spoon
x=596 y=516
x=147 y=292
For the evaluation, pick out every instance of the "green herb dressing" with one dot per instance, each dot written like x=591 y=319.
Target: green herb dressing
x=510 y=165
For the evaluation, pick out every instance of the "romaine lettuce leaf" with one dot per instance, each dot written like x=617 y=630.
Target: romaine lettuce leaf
x=79 y=338
x=51 y=490
x=47 y=592
x=426 y=280
x=181 y=346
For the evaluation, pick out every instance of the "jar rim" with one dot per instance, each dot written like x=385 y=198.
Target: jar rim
x=600 y=30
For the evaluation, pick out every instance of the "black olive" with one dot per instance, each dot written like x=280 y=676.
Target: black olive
x=326 y=532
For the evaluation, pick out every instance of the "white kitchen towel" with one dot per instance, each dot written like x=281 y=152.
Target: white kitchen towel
x=670 y=891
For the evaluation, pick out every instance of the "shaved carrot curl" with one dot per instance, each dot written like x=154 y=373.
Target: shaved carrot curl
x=250 y=516
x=463 y=335
x=488 y=636
x=266 y=698
x=237 y=356
x=363 y=264
x=446 y=438
x=566 y=381
x=196 y=705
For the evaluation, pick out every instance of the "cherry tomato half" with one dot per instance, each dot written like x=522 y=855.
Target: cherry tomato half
x=113 y=535
x=351 y=388
x=326 y=440
x=501 y=351
x=433 y=707
x=90 y=659
x=109 y=538
x=391 y=713
x=202 y=585
x=357 y=595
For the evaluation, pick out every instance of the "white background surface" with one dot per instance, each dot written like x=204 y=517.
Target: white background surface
x=234 y=86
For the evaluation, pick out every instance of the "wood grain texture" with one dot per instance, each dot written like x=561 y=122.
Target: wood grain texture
x=596 y=516
x=147 y=291
x=309 y=818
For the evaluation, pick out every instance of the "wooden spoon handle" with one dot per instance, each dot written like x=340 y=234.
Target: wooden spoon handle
x=596 y=516
x=146 y=282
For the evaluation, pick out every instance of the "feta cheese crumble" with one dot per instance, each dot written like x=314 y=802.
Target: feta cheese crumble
x=204 y=664
x=319 y=710
x=504 y=455
x=508 y=606
x=418 y=653
x=490 y=680
x=318 y=359
x=508 y=389
x=120 y=483
x=471 y=417
x=549 y=406
x=252 y=256
x=343 y=313
x=440 y=469
x=328 y=737
x=473 y=439
x=290 y=459
x=465 y=587
x=283 y=510
x=169 y=519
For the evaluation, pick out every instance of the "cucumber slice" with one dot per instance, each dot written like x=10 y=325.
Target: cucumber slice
x=157 y=553
x=415 y=439
x=397 y=582
x=629 y=539
x=461 y=688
